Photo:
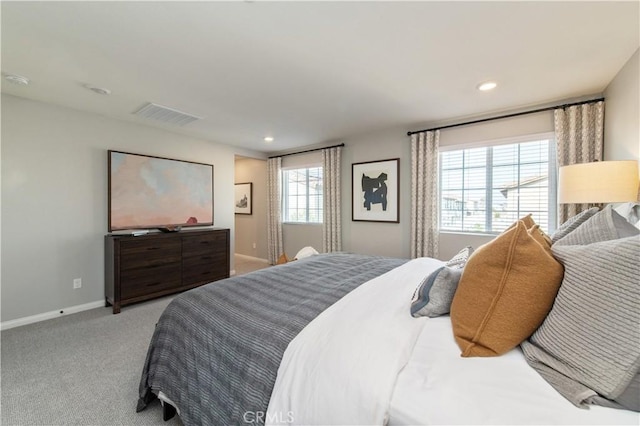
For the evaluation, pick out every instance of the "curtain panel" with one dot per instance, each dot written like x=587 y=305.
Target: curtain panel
x=424 y=194
x=579 y=133
x=274 y=207
x=332 y=225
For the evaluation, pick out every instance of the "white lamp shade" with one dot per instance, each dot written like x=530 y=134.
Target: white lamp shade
x=598 y=182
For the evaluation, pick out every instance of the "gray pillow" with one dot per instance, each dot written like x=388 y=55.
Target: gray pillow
x=605 y=225
x=630 y=398
x=435 y=293
x=460 y=259
x=588 y=347
x=571 y=224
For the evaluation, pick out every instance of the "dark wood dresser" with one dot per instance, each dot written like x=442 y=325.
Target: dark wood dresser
x=153 y=265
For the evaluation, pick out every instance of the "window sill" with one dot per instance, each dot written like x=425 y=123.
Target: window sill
x=475 y=234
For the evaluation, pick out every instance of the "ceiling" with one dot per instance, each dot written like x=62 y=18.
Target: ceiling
x=310 y=73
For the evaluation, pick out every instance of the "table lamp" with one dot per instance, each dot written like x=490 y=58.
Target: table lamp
x=598 y=182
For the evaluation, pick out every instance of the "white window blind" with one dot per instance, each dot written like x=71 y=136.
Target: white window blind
x=485 y=189
x=302 y=195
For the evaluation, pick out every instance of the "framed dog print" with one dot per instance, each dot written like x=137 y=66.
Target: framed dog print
x=376 y=191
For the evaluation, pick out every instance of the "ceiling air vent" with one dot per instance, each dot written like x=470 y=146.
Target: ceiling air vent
x=165 y=114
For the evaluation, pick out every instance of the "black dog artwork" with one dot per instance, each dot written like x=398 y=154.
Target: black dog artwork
x=375 y=191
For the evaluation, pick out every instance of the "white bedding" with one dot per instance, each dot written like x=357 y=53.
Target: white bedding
x=342 y=367
x=366 y=361
x=438 y=386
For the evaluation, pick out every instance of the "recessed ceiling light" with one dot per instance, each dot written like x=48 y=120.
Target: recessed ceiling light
x=487 y=85
x=17 y=79
x=268 y=139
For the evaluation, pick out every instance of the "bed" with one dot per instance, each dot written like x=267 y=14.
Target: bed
x=329 y=340
x=216 y=349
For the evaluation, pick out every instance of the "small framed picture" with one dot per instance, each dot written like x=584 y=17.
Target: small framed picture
x=244 y=198
x=376 y=191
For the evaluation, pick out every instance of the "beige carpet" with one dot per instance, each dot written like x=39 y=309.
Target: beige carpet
x=83 y=369
x=80 y=369
x=245 y=264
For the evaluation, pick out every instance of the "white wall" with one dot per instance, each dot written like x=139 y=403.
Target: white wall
x=295 y=236
x=54 y=198
x=622 y=113
x=541 y=122
x=392 y=239
x=377 y=238
x=252 y=229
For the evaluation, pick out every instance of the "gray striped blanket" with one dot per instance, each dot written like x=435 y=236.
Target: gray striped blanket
x=216 y=349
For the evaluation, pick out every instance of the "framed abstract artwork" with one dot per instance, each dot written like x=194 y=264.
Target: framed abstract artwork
x=376 y=191
x=244 y=198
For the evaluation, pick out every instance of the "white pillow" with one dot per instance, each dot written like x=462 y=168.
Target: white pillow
x=306 y=252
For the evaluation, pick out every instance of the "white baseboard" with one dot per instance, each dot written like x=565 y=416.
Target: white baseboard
x=232 y=272
x=50 y=315
x=255 y=259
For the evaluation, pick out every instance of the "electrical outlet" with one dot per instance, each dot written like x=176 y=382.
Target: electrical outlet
x=77 y=283
x=254 y=245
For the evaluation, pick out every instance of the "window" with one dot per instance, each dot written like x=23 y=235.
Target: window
x=302 y=195
x=487 y=189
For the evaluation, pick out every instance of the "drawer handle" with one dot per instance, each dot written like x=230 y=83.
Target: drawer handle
x=206 y=258
x=154 y=284
x=156 y=265
x=204 y=242
x=153 y=248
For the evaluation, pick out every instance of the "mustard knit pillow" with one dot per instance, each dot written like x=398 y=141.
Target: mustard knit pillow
x=506 y=291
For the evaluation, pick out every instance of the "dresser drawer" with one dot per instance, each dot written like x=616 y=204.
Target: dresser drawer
x=205 y=267
x=203 y=274
x=139 y=282
x=204 y=259
x=208 y=243
x=149 y=254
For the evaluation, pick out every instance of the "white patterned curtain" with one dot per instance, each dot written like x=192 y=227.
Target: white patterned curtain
x=424 y=194
x=332 y=226
x=579 y=137
x=274 y=217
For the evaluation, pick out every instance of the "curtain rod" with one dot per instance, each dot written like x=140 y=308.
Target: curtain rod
x=308 y=150
x=507 y=116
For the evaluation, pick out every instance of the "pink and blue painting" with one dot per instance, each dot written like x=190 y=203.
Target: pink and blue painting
x=151 y=192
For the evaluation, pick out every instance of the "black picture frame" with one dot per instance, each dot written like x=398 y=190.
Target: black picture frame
x=243 y=198
x=375 y=191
